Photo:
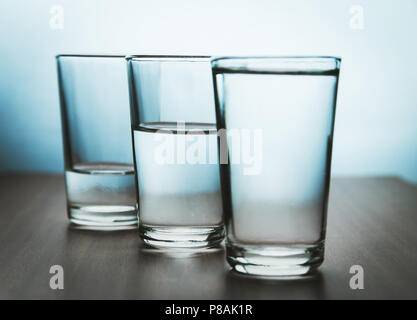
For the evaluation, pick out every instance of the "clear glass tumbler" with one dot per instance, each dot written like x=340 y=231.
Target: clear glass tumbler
x=278 y=114
x=175 y=149
x=99 y=170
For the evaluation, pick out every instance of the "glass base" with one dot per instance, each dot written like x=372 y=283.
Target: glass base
x=185 y=237
x=103 y=216
x=275 y=261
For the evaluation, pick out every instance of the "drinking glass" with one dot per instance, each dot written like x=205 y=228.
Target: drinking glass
x=175 y=151
x=99 y=170
x=278 y=116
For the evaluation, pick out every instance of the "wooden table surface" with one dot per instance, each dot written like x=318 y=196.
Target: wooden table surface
x=372 y=222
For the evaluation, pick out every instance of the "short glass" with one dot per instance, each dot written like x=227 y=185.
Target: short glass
x=99 y=170
x=175 y=149
x=278 y=113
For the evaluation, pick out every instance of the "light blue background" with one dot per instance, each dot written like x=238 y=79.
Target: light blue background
x=376 y=120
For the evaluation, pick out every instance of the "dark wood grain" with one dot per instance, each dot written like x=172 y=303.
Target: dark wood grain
x=371 y=222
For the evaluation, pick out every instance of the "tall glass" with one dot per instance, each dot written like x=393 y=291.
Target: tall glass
x=279 y=115
x=99 y=170
x=175 y=149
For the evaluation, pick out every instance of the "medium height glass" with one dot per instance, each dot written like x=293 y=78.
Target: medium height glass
x=175 y=149
x=276 y=182
x=99 y=170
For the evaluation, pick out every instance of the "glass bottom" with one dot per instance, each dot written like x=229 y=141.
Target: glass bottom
x=275 y=261
x=103 y=216
x=184 y=237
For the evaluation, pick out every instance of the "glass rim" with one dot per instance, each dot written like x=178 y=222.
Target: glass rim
x=66 y=55
x=277 y=64
x=163 y=58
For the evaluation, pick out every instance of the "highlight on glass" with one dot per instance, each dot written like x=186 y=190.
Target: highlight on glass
x=175 y=149
x=99 y=170
x=276 y=215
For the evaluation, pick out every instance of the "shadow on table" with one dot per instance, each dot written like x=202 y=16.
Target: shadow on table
x=134 y=271
x=250 y=287
x=181 y=274
x=206 y=275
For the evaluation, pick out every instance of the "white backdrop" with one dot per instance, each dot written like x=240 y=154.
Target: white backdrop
x=376 y=130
